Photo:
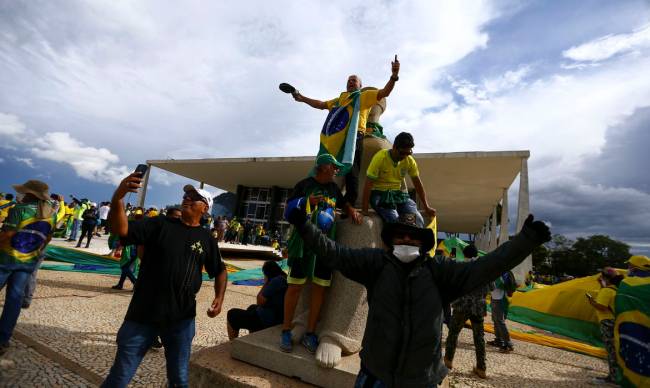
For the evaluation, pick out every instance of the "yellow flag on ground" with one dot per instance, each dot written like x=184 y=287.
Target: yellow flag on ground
x=433 y=225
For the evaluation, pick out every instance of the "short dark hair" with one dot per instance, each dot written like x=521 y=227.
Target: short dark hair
x=9 y=197
x=404 y=140
x=470 y=251
x=271 y=269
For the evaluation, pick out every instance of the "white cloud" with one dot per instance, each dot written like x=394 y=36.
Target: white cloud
x=610 y=45
x=10 y=125
x=95 y=164
x=27 y=161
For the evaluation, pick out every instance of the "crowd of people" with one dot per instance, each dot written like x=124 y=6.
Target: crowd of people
x=407 y=288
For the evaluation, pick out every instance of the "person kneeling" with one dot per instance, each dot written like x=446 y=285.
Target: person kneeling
x=269 y=309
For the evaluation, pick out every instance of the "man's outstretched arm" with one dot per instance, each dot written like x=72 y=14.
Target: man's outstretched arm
x=385 y=92
x=318 y=104
x=458 y=279
x=359 y=265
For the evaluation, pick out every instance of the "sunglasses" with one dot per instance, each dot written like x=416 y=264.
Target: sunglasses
x=194 y=196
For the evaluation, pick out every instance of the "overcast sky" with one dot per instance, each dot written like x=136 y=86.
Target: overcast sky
x=90 y=89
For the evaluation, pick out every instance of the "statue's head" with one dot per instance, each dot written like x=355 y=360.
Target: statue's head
x=354 y=83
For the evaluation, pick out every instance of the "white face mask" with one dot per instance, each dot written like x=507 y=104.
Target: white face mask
x=406 y=253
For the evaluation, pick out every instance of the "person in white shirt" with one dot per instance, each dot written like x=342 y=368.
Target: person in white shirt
x=103 y=216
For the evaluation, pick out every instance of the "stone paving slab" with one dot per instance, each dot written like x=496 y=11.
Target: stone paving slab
x=77 y=315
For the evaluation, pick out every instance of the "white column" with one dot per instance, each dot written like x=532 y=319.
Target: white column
x=493 y=230
x=143 y=191
x=503 y=237
x=523 y=208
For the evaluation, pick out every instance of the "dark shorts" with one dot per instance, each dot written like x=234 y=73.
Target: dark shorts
x=313 y=269
x=245 y=319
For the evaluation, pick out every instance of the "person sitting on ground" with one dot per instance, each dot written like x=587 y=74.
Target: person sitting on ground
x=406 y=289
x=609 y=280
x=164 y=300
x=269 y=310
x=473 y=307
x=383 y=188
x=321 y=197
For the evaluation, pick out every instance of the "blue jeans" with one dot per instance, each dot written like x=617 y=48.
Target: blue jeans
x=392 y=215
x=134 y=340
x=501 y=333
x=15 y=278
x=74 y=230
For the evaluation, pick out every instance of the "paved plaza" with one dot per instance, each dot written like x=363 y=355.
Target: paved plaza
x=67 y=338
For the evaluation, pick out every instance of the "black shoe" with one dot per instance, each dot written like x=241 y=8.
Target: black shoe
x=25 y=305
x=495 y=343
x=117 y=287
x=506 y=349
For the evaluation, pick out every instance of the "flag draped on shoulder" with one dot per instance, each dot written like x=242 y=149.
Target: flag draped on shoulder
x=339 y=134
x=632 y=331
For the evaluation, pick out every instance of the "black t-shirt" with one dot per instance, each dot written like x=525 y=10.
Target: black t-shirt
x=170 y=273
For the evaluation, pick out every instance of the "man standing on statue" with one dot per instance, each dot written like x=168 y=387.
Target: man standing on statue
x=349 y=110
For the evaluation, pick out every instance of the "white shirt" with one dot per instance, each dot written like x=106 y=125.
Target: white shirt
x=497 y=293
x=103 y=212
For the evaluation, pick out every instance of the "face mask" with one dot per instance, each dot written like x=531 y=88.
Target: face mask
x=406 y=253
x=20 y=197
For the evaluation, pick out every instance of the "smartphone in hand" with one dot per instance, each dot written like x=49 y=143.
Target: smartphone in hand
x=141 y=169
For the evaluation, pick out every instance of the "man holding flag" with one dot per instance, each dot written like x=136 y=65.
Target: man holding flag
x=349 y=110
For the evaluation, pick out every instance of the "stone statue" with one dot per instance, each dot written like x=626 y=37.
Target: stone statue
x=344 y=312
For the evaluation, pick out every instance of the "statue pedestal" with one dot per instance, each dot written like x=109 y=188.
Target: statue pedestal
x=262 y=349
x=214 y=367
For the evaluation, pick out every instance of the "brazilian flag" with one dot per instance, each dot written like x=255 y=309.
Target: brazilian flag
x=339 y=134
x=632 y=331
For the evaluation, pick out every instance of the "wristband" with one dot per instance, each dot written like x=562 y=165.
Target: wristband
x=394 y=78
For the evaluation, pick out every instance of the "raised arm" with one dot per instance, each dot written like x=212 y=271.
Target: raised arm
x=385 y=92
x=458 y=279
x=117 y=215
x=360 y=265
x=318 y=104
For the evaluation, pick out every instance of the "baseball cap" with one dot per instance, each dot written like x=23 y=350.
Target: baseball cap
x=327 y=159
x=640 y=261
x=204 y=194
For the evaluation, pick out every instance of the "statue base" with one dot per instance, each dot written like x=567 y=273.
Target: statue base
x=214 y=367
x=262 y=349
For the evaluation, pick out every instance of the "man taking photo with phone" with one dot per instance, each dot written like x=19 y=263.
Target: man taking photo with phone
x=164 y=298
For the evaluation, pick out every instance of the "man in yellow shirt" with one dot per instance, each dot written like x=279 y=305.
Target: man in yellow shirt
x=334 y=133
x=383 y=188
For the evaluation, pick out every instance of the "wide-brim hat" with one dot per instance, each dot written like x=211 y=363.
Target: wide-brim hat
x=37 y=188
x=391 y=229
